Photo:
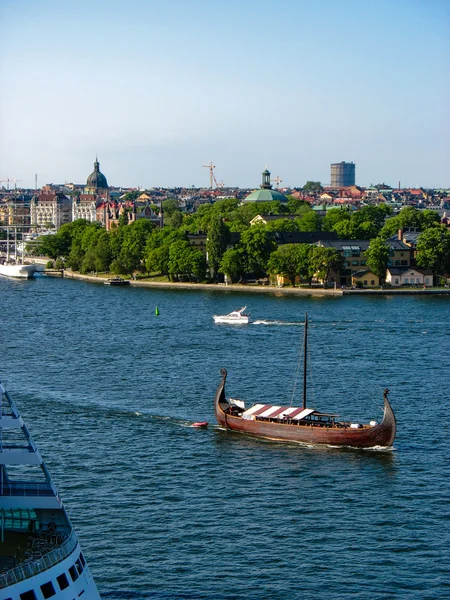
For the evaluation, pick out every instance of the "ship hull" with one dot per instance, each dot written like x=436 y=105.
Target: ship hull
x=18 y=271
x=382 y=434
x=84 y=584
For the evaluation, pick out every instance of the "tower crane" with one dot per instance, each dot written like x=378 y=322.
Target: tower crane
x=8 y=181
x=212 y=177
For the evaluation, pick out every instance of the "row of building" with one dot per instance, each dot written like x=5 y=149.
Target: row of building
x=55 y=205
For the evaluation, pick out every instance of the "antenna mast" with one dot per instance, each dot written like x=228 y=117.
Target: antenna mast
x=305 y=352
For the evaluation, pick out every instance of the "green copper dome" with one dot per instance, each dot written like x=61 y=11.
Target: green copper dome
x=266 y=193
x=265 y=196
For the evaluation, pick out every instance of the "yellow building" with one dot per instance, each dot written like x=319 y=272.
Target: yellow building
x=365 y=279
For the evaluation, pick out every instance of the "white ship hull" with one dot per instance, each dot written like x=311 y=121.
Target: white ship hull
x=40 y=556
x=20 y=271
x=57 y=576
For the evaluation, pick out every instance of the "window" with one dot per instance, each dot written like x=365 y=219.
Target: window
x=73 y=573
x=406 y=280
x=79 y=566
x=48 y=590
x=404 y=263
x=365 y=281
x=30 y=595
x=83 y=562
x=396 y=280
x=355 y=263
x=62 y=581
x=372 y=282
x=397 y=262
x=417 y=279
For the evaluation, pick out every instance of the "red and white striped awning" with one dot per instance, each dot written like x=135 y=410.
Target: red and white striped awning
x=271 y=411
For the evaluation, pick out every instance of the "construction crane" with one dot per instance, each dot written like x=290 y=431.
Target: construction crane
x=277 y=180
x=8 y=181
x=212 y=177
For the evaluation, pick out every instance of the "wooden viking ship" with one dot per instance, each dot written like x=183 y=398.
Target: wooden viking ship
x=302 y=424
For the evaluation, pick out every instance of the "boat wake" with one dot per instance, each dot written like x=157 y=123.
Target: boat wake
x=264 y=322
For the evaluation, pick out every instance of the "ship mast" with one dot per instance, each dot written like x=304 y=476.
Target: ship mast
x=305 y=351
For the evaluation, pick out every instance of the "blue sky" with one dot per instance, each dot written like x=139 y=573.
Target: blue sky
x=160 y=87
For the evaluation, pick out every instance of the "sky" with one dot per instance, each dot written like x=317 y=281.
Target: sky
x=158 y=88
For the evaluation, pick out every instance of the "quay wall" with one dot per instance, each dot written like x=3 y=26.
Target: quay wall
x=266 y=289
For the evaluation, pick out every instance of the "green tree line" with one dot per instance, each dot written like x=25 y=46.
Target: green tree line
x=140 y=247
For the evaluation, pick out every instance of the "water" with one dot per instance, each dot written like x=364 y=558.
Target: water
x=166 y=511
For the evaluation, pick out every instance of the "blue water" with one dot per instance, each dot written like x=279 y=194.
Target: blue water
x=166 y=511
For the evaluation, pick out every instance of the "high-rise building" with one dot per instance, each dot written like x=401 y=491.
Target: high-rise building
x=342 y=174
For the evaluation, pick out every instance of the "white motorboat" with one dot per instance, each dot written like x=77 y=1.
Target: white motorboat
x=40 y=556
x=237 y=317
x=17 y=270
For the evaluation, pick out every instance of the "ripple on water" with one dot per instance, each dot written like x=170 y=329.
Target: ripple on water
x=165 y=511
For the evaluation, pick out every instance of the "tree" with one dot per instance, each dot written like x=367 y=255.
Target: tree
x=232 y=264
x=321 y=261
x=376 y=215
x=157 y=260
x=76 y=256
x=290 y=260
x=334 y=216
x=131 y=195
x=174 y=219
x=133 y=245
x=310 y=221
x=123 y=218
x=297 y=205
x=216 y=242
x=433 y=250
x=103 y=252
x=49 y=245
x=377 y=257
x=169 y=206
x=186 y=261
x=313 y=187
x=283 y=225
x=258 y=243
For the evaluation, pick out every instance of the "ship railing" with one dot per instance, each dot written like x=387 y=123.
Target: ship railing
x=37 y=565
x=26 y=489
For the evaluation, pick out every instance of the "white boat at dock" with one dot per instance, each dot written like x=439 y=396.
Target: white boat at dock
x=236 y=317
x=18 y=270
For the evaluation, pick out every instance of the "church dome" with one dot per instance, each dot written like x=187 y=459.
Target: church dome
x=266 y=193
x=96 y=179
x=265 y=196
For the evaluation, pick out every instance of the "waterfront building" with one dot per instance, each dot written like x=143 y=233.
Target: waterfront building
x=365 y=278
x=53 y=208
x=84 y=207
x=342 y=174
x=354 y=257
x=398 y=276
x=265 y=193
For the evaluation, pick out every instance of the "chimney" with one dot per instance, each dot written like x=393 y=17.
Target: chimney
x=400 y=234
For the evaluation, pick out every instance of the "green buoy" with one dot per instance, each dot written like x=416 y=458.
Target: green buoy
x=156 y=311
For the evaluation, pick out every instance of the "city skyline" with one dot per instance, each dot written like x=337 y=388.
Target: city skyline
x=159 y=89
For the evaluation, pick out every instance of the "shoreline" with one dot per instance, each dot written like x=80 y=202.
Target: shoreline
x=264 y=289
